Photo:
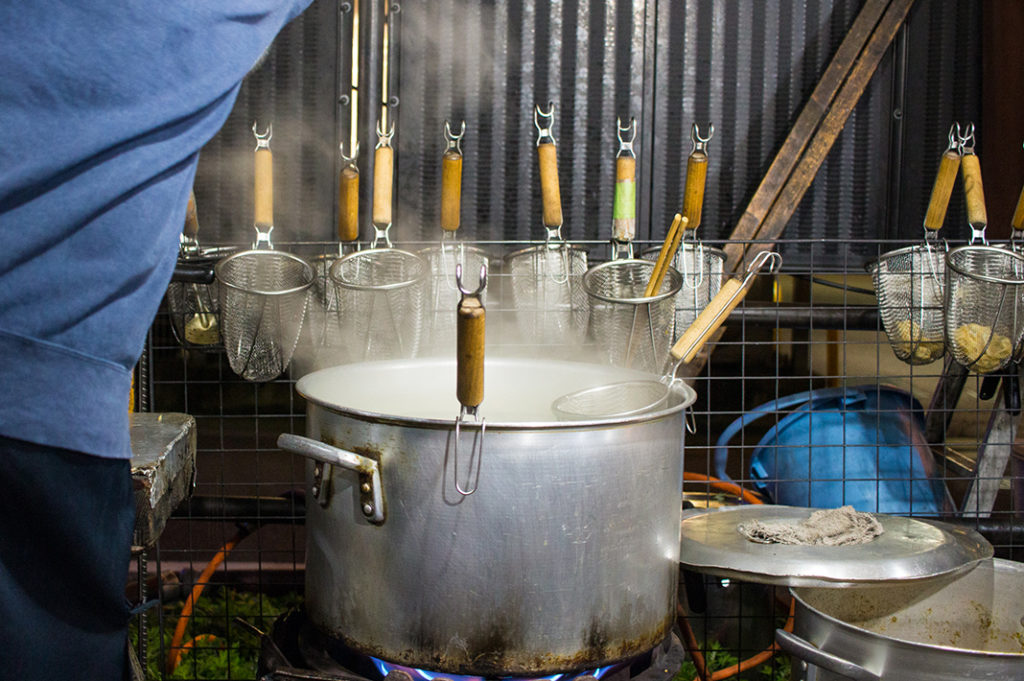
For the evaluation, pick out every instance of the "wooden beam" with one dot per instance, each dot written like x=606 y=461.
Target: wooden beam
x=810 y=141
x=804 y=128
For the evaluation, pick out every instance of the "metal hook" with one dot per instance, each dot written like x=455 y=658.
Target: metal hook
x=384 y=139
x=263 y=139
x=700 y=143
x=349 y=160
x=759 y=260
x=691 y=421
x=625 y=146
x=954 y=135
x=474 y=451
x=544 y=129
x=454 y=141
x=479 y=289
x=966 y=142
x=694 y=269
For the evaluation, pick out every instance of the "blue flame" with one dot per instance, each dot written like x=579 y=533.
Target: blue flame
x=385 y=667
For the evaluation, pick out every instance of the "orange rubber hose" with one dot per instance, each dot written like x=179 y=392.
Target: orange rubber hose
x=723 y=486
x=693 y=648
x=196 y=640
x=691 y=645
x=176 y=650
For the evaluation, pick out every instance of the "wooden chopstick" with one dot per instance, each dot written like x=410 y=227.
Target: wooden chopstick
x=668 y=251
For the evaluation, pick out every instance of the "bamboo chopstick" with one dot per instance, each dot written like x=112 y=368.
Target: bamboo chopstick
x=668 y=251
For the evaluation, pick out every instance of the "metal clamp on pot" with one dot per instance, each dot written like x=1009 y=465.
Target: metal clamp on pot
x=371 y=492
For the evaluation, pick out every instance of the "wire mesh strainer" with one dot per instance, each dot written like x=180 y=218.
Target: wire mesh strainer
x=909 y=284
x=547 y=292
x=631 y=330
x=331 y=339
x=701 y=269
x=443 y=294
x=984 y=285
x=263 y=292
x=194 y=304
x=547 y=287
x=984 y=306
x=381 y=299
x=614 y=400
x=263 y=301
x=627 y=398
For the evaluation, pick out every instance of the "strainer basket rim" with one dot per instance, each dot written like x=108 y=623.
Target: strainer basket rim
x=461 y=245
x=545 y=246
x=560 y=404
x=651 y=250
x=675 y=279
x=420 y=263
x=307 y=271
x=872 y=265
x=984 y=277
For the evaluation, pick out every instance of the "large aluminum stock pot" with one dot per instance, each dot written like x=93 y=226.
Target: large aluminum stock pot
x=525 y=547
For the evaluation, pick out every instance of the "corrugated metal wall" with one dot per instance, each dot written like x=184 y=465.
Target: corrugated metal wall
x=745 y=66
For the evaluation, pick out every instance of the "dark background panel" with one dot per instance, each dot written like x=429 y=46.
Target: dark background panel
x=745 y=67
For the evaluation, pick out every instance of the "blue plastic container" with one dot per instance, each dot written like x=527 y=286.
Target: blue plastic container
x=860 y=446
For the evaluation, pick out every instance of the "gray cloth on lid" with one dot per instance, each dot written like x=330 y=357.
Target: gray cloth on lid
x=827 y=527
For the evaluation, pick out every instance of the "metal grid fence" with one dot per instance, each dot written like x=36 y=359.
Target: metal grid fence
x=812 y=326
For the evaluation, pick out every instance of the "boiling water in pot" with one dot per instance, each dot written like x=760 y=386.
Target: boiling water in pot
x=515 y=391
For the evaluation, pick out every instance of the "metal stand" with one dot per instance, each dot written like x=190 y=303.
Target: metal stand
x=163 y=474
x=994 y=452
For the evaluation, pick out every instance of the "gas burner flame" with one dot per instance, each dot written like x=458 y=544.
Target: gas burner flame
x=417 y=674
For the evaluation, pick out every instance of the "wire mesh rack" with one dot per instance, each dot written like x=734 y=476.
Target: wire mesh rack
x=801 y=401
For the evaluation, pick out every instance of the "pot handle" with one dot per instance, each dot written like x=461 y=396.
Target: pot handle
x=371 y=493
x=798 y=647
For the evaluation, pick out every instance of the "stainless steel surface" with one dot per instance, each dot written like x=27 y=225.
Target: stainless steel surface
x=909 y=549
x=163 y=469
x=794 y=645
x=962 y=627
x=630 y=330
x=263 y=297
x=566 y=556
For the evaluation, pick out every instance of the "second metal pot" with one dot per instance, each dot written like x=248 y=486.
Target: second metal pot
x=968 y=627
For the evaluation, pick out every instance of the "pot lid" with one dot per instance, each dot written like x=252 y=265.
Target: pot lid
x=908 y=549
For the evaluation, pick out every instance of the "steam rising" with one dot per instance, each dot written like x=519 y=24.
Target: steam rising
x=462 y=82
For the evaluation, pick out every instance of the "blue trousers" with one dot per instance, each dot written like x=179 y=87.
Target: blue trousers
x=66 y=522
